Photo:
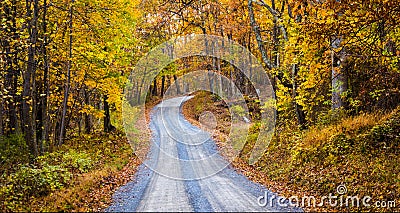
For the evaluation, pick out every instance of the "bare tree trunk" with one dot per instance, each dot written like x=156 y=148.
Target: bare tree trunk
x=275 y=38
x=45 y=132
x=162 y=85
x=41 y=118
x=257 y=32
x=231 y=92
x=221 y=83
x=214 y=67
x=2 y=83
x=249 y=82
x=154 y=91
x=27 y=119
x=168 y=81
x=211 y=80
x=136 y=93
x=1 y=114
x=106 y=123
x=132 y=93
x=16 y=74
x=339 y=77
x=67 y=83
x=140 y=88
x=178 y=90
x=12 y=74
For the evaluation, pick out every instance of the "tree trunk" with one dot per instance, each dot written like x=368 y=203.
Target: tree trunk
x=339 y=77
x=257 y=32
x=10 y=65
x=154 y=92
x=1 y=116
x=301 y=118
x=16 y=74
x=178 y=90
x=107 y=119
x=231 y=92
x=249 y=82
x=45 y=131
x=162 y=85
x=211 y=80
x=140 y=89
x=168 y=81
x=38 y=112
x=67 y=83
x=27 y=120
x=88 y=120
x=275 y=38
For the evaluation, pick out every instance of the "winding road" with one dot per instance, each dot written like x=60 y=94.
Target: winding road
x=184 y=172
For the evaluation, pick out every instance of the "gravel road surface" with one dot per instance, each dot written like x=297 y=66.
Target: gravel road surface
x=184 y=172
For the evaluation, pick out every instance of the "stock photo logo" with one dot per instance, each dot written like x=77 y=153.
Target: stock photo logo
x=179 y=142
x=339 y=199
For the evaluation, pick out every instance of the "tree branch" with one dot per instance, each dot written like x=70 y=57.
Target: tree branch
x=275 y=14
x=257 y=32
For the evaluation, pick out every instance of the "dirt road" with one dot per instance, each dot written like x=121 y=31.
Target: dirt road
x=184 y=172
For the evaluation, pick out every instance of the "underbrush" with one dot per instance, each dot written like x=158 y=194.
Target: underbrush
x=204 y=101
x=360 y=152
x=63 y=179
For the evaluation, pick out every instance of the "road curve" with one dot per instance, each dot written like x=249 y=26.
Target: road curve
x=184 y=172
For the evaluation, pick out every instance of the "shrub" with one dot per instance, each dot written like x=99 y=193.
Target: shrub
x=30 y=180
x=13 y=149
x=387 y=134
x=77 y=161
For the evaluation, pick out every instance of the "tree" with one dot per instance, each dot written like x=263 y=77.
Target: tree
x=28 y=106
x=68 y=80
x=41 y=73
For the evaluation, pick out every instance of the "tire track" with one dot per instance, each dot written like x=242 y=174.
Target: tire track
x=189 y=174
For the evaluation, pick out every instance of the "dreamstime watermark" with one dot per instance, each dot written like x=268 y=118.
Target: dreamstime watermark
x=176 y=140
x=341 y=200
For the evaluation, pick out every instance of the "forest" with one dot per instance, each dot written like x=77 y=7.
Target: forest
x=334 y=66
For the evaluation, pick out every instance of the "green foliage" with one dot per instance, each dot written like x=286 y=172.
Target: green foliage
x=386 y=135
x=237 y=110
x=203 y=100
x=51 y=171
x=330 y=117
x=216 y=97
x=251 y=140
x=58 y=170
x=12 y=148
x=339 y=144
x=199 y=108
x=32 y=180
x=74 y=160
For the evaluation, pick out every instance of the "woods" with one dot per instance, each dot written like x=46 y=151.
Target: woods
x=59 y=59
x=65 y=63
x=57 y=68
x=320 y=55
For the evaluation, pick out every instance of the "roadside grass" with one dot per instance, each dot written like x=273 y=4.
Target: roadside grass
x=81 y=175
x=360 y=152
